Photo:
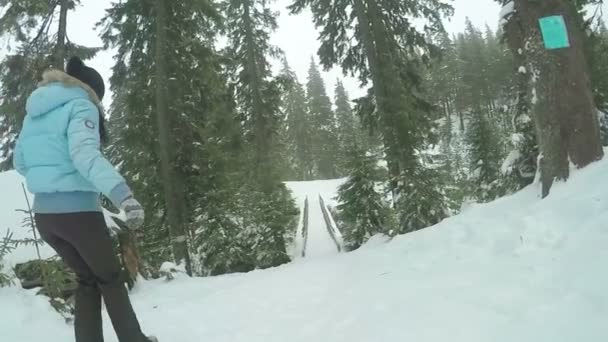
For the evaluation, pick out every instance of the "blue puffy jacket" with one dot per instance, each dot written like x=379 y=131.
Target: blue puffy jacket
x=58 y=150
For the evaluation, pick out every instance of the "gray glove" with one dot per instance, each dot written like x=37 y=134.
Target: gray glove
x=134 y=213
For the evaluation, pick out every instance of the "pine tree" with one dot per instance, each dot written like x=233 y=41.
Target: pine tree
x=482 y=132
x=269 y=214
x=443 y=88
x=39 y=46
x=484 y=156
x=443 y=78
x=299 y=126
x=249 y=25
x=501 y=79
x=388 y=51
x=461 y=101
x=206 y=155
x=363 y=211
x=325 y=138
x=474 y=70
x=497 y=106
x=173 y=191
x=349 y=129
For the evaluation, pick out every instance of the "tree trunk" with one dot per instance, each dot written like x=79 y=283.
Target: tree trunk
x=515 y=39
x=379 y=93
x=60 y=49
x=173 y=198
x=566 y=115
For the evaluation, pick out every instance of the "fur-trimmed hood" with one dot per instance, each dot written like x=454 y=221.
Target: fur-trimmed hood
x=56 y=89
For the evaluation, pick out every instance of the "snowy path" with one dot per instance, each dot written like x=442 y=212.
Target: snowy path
x=320 y=242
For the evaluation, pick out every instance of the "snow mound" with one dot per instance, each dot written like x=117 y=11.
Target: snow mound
x=518 y=269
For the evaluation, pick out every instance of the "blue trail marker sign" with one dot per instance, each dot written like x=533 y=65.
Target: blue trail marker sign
x=555 y=32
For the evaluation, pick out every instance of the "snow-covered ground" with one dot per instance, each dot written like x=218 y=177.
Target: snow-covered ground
x=518 y=269
x=319 y=241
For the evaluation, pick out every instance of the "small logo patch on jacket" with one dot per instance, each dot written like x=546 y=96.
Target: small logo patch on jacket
x=90 y=124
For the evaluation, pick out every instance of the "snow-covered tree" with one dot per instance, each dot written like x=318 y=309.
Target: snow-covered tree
x=209 y=160
x=323 y=123
x=269 y=216
x=350 y=132
x=363 y=211
x=370 y=38
x=299 y=126
x=484 y=155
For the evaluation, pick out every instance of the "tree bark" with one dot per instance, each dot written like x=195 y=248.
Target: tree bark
x=566 y=115
x=173 y=198
x=373 y=61
x=60 y=49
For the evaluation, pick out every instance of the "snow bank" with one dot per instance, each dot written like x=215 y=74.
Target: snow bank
x=25 y=317
x=518 y=269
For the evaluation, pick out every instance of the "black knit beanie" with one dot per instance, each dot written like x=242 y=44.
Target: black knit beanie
x=87 y=75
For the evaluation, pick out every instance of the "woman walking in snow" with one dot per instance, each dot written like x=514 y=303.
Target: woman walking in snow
x=58 y=152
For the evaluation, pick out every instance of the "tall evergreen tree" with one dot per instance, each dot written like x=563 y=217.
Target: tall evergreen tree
x=484 y=156
x=497 y=106
x=443 y=77
x=325 y=139
x=379 y=42
x=475 y=70
x=349 y=130
x=299 y=125
x=480 y=101
x=172 y=190
x=201 y=113
x=249 y=25
x=258 y=96
x=501 y=79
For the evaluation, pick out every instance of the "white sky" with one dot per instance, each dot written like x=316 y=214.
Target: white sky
x=296 y=35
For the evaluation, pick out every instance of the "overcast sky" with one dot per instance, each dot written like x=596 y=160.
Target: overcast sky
x=296 y=35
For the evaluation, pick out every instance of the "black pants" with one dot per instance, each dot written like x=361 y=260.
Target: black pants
x=84 y=243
